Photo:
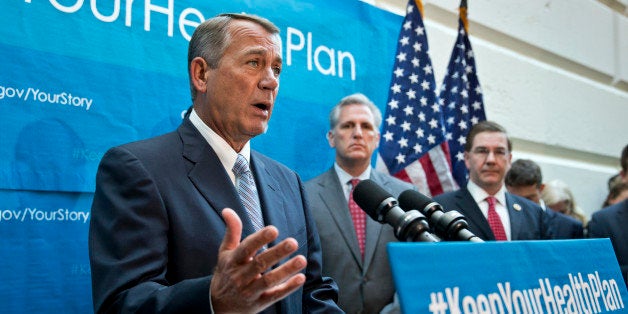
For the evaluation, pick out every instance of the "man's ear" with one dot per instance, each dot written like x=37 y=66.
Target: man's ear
x=198 y=74
x=330 y=139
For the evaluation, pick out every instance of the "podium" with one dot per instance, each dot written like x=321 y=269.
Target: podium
x=550 y=276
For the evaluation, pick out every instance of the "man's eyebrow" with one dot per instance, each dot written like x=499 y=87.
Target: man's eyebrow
x=262 y=52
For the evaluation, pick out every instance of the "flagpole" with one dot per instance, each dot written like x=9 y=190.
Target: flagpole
x=463 y=15
x=419 y=5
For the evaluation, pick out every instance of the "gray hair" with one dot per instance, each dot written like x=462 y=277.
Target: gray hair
x=357 y=98
x=558 y=191
x=212 y=37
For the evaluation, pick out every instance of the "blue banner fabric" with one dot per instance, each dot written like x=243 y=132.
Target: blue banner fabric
x=78 y=77
x=81 y=76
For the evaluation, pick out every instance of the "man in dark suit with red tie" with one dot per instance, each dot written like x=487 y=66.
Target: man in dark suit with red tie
x=492 y=212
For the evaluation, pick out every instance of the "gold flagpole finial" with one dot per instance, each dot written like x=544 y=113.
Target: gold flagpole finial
x=463 y=15
x=419 y=4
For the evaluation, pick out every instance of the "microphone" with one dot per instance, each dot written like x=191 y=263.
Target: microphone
x=410 y=226
x=448 y=225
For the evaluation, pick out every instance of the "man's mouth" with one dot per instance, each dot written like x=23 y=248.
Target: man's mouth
x=262 y=106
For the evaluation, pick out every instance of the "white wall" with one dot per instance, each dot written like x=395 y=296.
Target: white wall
x=554 y=73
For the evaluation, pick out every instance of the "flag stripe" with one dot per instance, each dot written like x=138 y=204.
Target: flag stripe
x=417 y=177
x=433 y=182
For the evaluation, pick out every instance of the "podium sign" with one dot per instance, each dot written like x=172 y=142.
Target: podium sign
x=560 y=276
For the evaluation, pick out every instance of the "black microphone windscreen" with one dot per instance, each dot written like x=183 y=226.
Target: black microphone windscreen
x=369 y=196
x=411 y=199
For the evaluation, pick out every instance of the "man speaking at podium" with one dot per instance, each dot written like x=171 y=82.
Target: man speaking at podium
x=161 y=239
x=493 y=213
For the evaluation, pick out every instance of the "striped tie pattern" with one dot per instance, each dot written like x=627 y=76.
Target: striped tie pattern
x=248 y=191
x=494 y=221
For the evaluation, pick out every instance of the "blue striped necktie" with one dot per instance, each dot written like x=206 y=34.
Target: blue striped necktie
x=248 y=192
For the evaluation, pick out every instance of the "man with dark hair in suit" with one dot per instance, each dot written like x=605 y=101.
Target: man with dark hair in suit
x=195 y=221
x=492 y=212
x=611 y=222
x=354 y=245
x=525 y=179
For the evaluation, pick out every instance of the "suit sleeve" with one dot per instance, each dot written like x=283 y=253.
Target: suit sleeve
x=320 y=294
x=547 y=231
x=128 y=244
x=595 y=228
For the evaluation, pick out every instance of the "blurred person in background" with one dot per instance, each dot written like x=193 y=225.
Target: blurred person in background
x=526 y=180
x=610 y=222
x=617 y=193
x=558 y=196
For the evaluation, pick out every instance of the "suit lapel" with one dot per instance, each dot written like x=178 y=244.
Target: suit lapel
x=270 y=197
x=209 y=176
x=516 y=217
x=332 y=196
x=467 y=206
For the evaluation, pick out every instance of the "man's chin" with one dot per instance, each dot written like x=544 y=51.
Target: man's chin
x=491 y=182
x=358 y=155
x=258 y=130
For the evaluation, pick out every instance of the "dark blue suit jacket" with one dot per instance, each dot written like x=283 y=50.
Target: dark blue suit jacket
x=528 y=221
x=564 y=227
x=156 y=226
x=611 y=222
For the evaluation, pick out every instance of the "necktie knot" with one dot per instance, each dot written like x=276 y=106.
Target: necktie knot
x=241 y=166
x=354 y=182
x=491 y=201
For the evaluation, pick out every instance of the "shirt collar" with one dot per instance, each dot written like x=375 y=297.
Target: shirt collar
x=479 y=195
x=344 y=177
x=226 y=153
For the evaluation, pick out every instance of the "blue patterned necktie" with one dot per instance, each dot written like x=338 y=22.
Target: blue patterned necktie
x=248 y=192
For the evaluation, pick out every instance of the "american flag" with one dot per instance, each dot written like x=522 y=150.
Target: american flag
x=461 y=98
x=412 y=146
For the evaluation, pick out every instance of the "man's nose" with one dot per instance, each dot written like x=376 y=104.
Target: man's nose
x=269 y=80
x=357 y=131
x=490 y=157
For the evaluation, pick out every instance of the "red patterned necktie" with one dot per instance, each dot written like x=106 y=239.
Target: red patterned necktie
x=494 y=221
x=359 y=218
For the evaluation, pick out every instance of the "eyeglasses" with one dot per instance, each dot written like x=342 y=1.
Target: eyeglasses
x=484 y=152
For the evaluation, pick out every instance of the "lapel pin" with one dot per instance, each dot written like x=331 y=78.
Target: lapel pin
x=517 y=207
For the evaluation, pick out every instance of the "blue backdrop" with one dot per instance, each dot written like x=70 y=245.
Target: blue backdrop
x=77 y=77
